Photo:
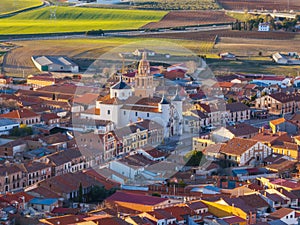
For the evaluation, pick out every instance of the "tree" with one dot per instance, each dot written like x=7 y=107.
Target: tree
x=195 y=159
x=80 y=193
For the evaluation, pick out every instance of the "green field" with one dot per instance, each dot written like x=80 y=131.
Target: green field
x=69 y=19
x=7 y=6
x=176 y=5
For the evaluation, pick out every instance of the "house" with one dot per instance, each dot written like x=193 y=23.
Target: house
x=213 y=151
x=64 y=220
x=131 y=137
x=151 y=153
x=160 y=216
x=23 y=116
x=286 y=215
x=274 y=198
x=41 y=80
x=143 y=203
x=6 y=125
x=64 y=186
x=10 y=149
x=239 y=151
x=44 y=205
x=264 y=27
x=241 y=130
x=279 y=103
x=56 y=141
x=130 y=166
x=50 y=118
x=19 y=200
x=282 y=124
x=252 y=204
x=11 y=178
x=55 y=64
x=36 y=172
x=66 y=161
x=155 y=131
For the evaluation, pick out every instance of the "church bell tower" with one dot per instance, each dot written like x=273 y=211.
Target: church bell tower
x=144 y=80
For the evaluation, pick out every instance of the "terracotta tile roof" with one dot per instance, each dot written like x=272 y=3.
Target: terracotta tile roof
x=108 y=184
x=16 y=197
x=248 y=203
x=49 y=116
x=111 y=221
x=19 y=114
x=92 y=111
x=59 y=158
x=280 y=213
x=69 y=182
x=197 y=205
x=225 y=84
x=141 y=108
x=86 y=99
x=128 y=130
x=154 y=152
x=277 y=121
x=9 y=169
x=242 y=129
x=179 y=212
x=120 y=196
x=233 y=220
x=54 y=138
x=35 y=166
x=269 y=137
x=215 y=148
x=284 y=98
x=236 y=107
x=238 y=146
x=149 y=125
x=44 y=192
x=64 y=220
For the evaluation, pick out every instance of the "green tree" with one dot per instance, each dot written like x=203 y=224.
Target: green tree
x=80 y=193
x=195 y=159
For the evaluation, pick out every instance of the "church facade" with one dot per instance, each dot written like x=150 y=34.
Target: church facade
x=129 y=104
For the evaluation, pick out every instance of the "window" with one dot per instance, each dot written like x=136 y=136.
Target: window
x=136 y=113
x=124 y=113
x=108 y=112
x=148 y=114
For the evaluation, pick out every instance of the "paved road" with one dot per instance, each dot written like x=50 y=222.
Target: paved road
x=135 y=33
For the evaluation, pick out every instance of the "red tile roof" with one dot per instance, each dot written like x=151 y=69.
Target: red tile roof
x=19 y=114
x=120 y=196
x=238 y=146
x=280 y=213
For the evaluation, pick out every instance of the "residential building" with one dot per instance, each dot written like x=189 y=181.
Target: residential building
x=240 y=152
x=6 y=125
x=286 y=215
x=282 y=124
x=23 y=116
x=279 y=103
x=11 y=178
x=143 y=203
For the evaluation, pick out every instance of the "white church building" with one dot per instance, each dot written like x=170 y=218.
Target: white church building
x=126 y=104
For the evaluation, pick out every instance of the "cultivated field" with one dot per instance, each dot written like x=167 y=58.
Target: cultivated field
x=280 y=5
x=82 y=51
x=69 y=19
x=210 y=35
x=188 y=18
x=7 y=6
x=249 y=61
x=176 y=5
